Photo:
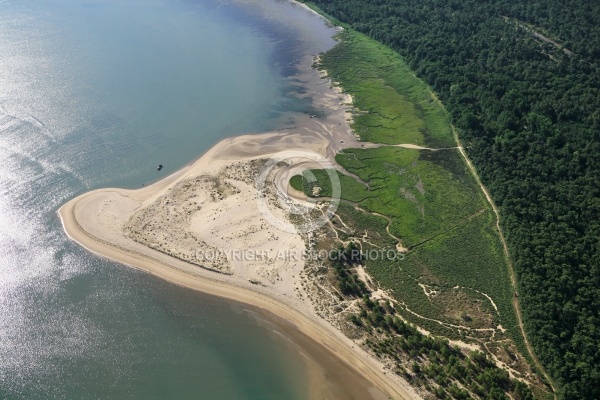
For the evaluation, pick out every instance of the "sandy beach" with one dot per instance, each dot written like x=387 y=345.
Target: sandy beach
x=174 y=227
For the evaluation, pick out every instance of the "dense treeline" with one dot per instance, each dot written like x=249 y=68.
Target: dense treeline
x=528 y=113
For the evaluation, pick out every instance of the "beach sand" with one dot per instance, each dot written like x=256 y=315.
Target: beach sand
x=169 y=227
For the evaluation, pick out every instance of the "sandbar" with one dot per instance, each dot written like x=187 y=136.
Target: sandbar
x=211 y=205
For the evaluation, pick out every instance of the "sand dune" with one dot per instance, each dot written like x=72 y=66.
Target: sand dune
x=176 y=227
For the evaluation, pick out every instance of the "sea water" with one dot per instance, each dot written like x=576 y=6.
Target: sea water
x=97 y=93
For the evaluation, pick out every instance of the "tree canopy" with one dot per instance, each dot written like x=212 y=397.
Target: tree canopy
x=521 y=82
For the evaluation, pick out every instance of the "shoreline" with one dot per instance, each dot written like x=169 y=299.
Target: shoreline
x=168 y=268
x=95 y=220
x=322 y=336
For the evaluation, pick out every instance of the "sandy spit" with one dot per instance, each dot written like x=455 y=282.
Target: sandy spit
x=97 y=221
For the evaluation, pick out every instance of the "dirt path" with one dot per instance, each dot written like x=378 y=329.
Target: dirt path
x=511 y=269
x=539 y=35
x=489 y=199
x=370 y=145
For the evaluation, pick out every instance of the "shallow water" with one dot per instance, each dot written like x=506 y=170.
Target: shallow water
x=95 y=94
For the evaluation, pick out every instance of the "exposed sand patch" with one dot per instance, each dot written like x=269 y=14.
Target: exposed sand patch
x=211 y=206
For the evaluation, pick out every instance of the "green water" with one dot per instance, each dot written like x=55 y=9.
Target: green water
x=97 y=93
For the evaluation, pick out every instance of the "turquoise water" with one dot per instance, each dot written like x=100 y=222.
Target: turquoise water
x=95 y=94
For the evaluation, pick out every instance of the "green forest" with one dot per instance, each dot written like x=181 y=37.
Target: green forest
x=521 y=83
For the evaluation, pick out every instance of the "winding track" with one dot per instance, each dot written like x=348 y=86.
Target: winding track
x=514 y=284
x=516 y=304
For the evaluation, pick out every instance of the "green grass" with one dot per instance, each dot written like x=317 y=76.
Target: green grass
x=434 y=204
x=422 y=197
x=351 y=189
x=357 y=223
x=417 y=190
x=469 y=256
x=297 y=182
x=394 y=105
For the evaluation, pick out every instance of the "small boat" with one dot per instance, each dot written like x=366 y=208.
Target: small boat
x=159 y=167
